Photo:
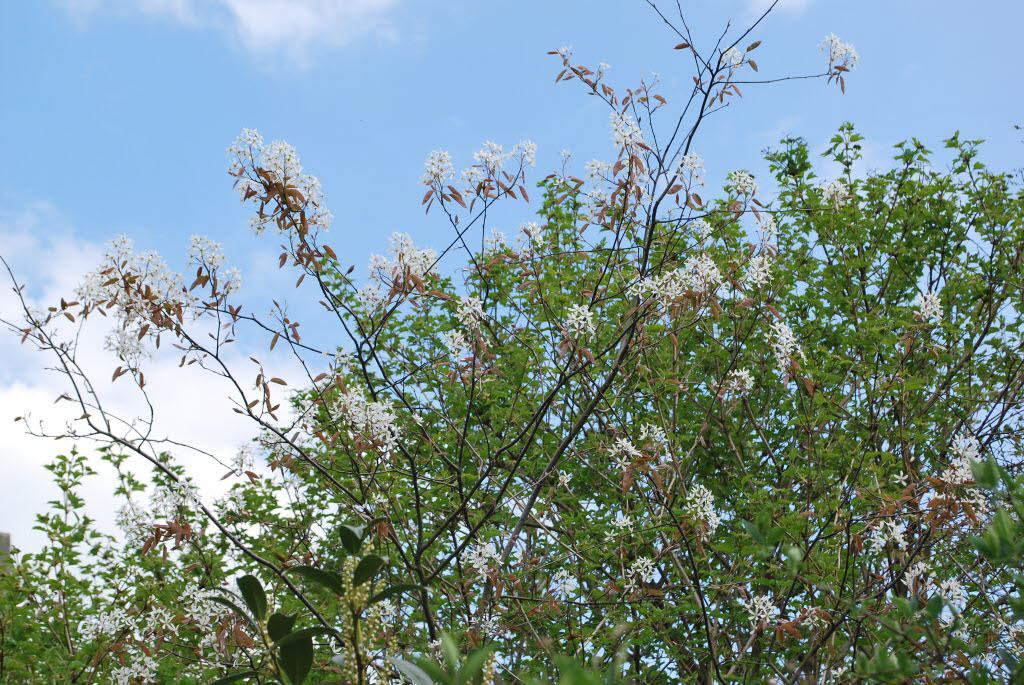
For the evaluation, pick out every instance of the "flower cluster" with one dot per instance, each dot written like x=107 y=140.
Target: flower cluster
x=738 y=382
x=579 y=322
x=835 y=193
x=840 y=53
x=406 y=260
x=373 y=424
x=760 y=609
x=700 y=506
x=438 y=168
x=274 y=170
x=759 y=271
x=639 y=574
x=626 y=132
x=692 y=164
x=470 y=311
x=732 y=58
x=484 y=558
x=784 y=345
x=563 y=583
x=929 y=308
x=137 y=286
x=742 y=183
x=967 y=449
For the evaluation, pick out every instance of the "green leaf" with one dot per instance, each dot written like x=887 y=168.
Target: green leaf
x=296 y=657
x=352 y=538
x=414 y=673
x=235 y=677
x=473 y=665
x=328 y=579
x=367 y=569
x=279 y=625
x=394 y=590
x=254 y=596
x=304 y=633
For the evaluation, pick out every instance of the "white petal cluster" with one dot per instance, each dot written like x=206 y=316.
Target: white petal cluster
x=732 y=58
x=929 y=307
x=699 y=274
x=691 y=164
x=889 y=532
x=564 y=584
x=405 y=259
x=760 y=609
x=598 y=171
x=653 y=434
x=742 y=183
x=840 y=53
x=700 y=505
x=967 y=450
x=702 y=228
x=280 y=162
x=373 y=422
x=639 y=574
x=202 y=250
x=438 y=168
x=768 y=227
x=738 y=382
x=579 y=322
x=484 y=558
x=626 y=133
x=835 y=193
x=470 y=311
x=759 y=271
x=456 y=342
x=784 y=345
x=624 y=453
x=152 y=284
x=491 y=157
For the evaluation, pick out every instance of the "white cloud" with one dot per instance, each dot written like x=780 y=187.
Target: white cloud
x=190 y=405
x=266 y=27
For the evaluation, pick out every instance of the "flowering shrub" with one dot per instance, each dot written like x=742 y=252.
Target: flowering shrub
x=677 y=439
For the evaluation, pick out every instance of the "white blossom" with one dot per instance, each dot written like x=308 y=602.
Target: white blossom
x=738 y=382
x=579 y=322
x=470 y=311
x=491 y=157
x=456 y=342
x=835 y=193
x=405 y=258
x=732 y=57
x=625 y=131
x=768 y=227
x=438 y=167
x=760 y=609
x=563 y=583
x=639 y=574
x=759 y=271
x=526 y=150
x=742 y=183
x=279 y=163
x=483 y=558
x=700 y=505
x=373 y=422
x=202 y=250
x=840 y=53
x=929 y=307
x=784 y=345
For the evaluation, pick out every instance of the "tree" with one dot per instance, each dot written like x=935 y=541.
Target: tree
x=676 y=439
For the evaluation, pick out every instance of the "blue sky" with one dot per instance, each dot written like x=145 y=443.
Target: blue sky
x=116 y=115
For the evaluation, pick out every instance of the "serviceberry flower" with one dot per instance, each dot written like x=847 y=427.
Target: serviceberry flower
x=840 y=53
